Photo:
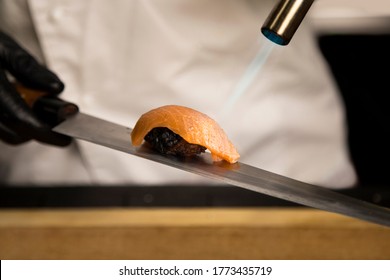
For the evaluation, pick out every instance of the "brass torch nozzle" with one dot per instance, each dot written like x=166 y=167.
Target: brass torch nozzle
x=284 y=20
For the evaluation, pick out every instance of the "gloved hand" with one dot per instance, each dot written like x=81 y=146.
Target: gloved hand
x=18 y=123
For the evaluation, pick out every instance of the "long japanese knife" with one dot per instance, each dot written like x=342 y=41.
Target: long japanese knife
x=117 y=137
x=85 y=127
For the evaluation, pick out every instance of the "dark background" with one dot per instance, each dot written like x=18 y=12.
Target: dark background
x=361 y=67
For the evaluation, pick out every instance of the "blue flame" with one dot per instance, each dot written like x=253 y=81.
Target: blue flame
x=247 y=78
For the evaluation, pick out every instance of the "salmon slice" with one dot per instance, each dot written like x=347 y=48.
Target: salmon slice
x=193 y=126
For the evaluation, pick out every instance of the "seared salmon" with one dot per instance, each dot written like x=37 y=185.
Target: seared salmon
x=193 y=126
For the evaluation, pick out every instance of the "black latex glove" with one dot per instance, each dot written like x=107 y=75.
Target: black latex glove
x=18 y=123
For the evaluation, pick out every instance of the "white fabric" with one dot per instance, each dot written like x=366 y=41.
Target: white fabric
x=122 y=58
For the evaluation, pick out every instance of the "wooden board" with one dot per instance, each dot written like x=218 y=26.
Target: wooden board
x=198 y=233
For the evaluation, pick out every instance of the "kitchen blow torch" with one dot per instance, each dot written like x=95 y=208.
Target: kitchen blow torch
x=284 y=20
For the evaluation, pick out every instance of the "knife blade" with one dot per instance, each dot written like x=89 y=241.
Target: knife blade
x=68 y=120
x=115 y=136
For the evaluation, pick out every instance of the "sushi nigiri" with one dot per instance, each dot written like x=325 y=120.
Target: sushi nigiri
x=182 y=131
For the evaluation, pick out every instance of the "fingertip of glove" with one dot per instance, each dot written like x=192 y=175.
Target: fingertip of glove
x=54 y=139
x=56 y=86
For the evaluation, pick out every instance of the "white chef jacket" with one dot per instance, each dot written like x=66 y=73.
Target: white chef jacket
x=121 y=58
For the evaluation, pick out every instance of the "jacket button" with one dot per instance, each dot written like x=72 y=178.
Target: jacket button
x=56 y=14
